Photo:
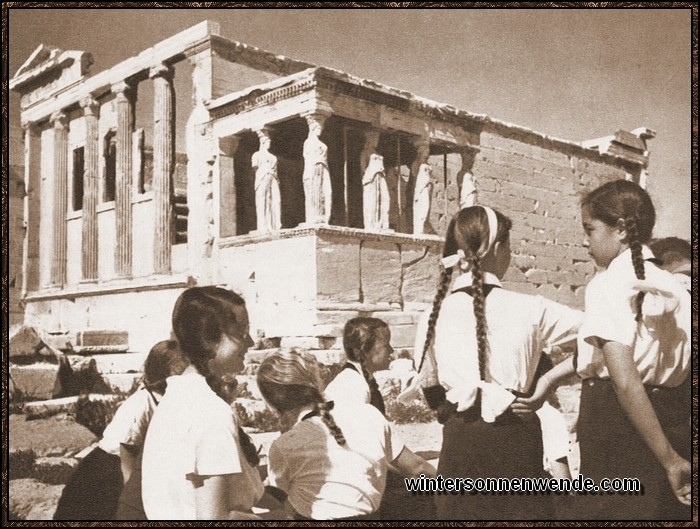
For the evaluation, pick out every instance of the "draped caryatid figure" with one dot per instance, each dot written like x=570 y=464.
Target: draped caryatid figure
x=375 y=195
x=422 y=197
x=267 y=188
x=317 y=178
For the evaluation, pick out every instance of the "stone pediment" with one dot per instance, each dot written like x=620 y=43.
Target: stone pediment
x=42 y=54
x=46 y=64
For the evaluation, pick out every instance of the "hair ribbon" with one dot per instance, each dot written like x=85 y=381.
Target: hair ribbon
x=452 y=260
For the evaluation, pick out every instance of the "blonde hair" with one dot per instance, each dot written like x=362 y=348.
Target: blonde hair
x=292 y=378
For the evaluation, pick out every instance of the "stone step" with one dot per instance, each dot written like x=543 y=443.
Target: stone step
x=54 y=470
x=47 y=408
x=101 y=341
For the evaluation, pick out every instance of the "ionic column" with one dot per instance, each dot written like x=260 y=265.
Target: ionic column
x=32 y=209
x=90 y=190
x=122 y=199
x=60 y=173
x=163 y=163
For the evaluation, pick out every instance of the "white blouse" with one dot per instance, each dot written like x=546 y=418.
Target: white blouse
x=326 y=481
x=130 y=422
x=520 y=327
x=193 y=433
x=348 y=386
x=661 y=342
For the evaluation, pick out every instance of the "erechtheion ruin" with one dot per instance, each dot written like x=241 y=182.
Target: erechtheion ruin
x=315 y=194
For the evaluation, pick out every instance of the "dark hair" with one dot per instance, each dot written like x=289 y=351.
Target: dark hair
x=359 y=337
x=164 y=360
x=468 y=231
x=291 y=379
x=627 y=201
x=201 y=318
x=671 y=250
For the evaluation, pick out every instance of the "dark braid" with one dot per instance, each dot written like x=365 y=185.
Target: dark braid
x=626 y=201
x=637 y=259
x=445 y=278
x=479 y=313
x=323 y=410
x=359 y=338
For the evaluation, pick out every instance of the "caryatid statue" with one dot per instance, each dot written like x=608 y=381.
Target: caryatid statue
x=267 y=187
x=316 y=178
x=375 y=191
x=467 y=190
x=422 y=173
x=422 y=197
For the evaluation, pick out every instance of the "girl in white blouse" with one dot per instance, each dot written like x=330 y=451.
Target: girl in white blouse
x=332 y=459
x=487 y=346
x=634 y=352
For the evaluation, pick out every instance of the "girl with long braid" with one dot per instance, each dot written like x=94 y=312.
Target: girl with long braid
x=483 y=348
x=367 y=344
x=634 y=351
x=195 y=462
x=331 y=460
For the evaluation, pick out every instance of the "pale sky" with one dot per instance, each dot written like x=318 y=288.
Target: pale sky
x=575 y=74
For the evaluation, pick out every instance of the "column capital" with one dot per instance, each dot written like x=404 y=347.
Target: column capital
x=124 y=89
x=316 y=117
x=263 y=132
x=89 y=105
x=31 y=127
x=59 y=119
x=161 y=70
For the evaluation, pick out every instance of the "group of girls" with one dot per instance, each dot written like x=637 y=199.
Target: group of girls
x=482 y=349
x=480 y=366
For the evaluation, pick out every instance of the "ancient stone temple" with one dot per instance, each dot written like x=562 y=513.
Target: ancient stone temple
x=316 y=195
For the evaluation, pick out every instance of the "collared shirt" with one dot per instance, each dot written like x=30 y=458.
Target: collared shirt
x=324 y=480
x=130 y=422
x=349 y=385
x=661 y=341
x=520 y=327
x=193 y=433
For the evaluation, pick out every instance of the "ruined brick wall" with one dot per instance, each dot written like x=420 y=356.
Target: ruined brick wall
x=538 y=185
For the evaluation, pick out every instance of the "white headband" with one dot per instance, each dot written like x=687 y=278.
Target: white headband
x=451 y=260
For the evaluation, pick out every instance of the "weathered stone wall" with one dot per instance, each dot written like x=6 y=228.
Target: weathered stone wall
x=539 y=187
x=15 y=222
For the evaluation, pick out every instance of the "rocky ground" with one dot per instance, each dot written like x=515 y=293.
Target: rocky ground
x=44 y=451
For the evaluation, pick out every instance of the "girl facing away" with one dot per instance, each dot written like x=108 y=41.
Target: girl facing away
x=634 y=351
x=487 y=343
x=194 y=467
x=331 y=460
x=107 y=483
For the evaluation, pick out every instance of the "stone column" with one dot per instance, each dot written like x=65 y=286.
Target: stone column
x=32 y=208
x=163 y=164
x=123 y=194
x=90 y=190
x=60 y=175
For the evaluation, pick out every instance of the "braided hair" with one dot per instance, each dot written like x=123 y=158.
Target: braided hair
x=290 y=380
x=471 y=233
x=163 y=360
x=359 y=338
x=626 y=201
x=450 y=248
x=201 y=318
